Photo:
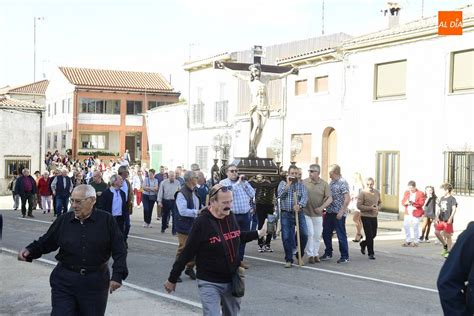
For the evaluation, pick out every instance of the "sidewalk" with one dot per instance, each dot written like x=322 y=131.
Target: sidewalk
x=25 y=290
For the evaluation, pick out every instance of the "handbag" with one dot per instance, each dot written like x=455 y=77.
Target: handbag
x=237 y=282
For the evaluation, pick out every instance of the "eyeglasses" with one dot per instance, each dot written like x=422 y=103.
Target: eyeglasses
x=78 y=201
x=311 y=171
x=233 y=170
x=223 y=189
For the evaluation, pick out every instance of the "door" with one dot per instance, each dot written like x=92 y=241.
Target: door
x=329 y=151
x=387 y=179
x=130 y=145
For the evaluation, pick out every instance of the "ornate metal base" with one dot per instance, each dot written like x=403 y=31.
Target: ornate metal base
x=253 y=166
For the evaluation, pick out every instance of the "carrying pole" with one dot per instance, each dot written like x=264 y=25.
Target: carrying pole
x=298 y=239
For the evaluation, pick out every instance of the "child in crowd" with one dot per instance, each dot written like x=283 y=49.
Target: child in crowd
x=444 y=220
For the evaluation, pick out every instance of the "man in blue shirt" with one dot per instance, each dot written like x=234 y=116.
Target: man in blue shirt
x=335 y=217
x=290 y=208
x=243 y=193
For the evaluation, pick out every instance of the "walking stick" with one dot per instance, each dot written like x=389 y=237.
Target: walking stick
x=298 y=240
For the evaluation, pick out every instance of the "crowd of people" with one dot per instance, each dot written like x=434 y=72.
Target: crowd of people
x=306 y=210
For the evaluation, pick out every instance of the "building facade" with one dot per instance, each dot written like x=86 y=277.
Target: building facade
x=21 y=144
x=395 y=105
x=99 y=112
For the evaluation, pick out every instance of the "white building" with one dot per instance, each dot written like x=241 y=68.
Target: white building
x=397 y=106
x=21 y=144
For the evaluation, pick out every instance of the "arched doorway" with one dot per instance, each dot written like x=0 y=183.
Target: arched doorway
x=329 y=151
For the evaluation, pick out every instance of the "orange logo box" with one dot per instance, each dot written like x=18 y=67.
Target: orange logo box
x=449 y=22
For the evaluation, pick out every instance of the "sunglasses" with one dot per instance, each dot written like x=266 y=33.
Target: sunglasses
x=311 y=171
x=223 y=189
x=233 y=170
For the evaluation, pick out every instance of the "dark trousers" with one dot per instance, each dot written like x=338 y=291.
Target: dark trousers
x=121 y=224
x=244 y=223
x=331 y=223
x=76 y=294
x=370 y=228
x=62 y=203
x=30 y=197
x=174 y=216
x=262 y=211
x=147 y=208
x=426 y=228
x=126 y=222
x=166 y=212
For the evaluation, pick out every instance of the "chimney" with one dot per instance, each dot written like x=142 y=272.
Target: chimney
x=393 y=13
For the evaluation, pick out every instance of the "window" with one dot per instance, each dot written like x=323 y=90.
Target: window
x=321 y=84
x=462 y=74
x=221 y=111
x=69 y=101
x=301 y=86
x=55 y=140
x=49 y=109
x=390 y=79
x=99 y=106
x=49 y=140
x=155 y=104
x=93 y=141
x=55 y=109
x=134 y=107
x=459 y=171
x=201 y=157
x=198 y=113
x=63 y=106
x=15 y=165
x=63 y=140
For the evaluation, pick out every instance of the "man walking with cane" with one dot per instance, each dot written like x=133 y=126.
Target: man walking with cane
x=293 y=198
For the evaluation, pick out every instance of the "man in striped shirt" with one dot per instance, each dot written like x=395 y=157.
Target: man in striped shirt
x=290 y=208
x=243 y=193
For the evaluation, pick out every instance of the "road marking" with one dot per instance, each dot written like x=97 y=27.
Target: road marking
x=130 y=285
x=354 y=276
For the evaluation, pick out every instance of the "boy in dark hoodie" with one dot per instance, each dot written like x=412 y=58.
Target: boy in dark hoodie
x=216 y=259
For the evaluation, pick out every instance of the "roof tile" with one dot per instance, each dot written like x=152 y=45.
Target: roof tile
x=116 y=79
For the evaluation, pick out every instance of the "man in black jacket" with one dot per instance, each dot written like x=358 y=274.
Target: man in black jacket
x=86 y=239
x=25 y=186
x=217 y=258
x=115 y=202
x=457 y=298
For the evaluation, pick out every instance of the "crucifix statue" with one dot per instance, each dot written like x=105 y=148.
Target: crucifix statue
x=259 y=107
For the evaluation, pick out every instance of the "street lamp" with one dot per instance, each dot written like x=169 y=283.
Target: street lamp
x=226 y=140
x=275 y=145
x=295 y=147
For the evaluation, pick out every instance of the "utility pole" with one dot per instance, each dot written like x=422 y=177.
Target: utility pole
x=40 y=18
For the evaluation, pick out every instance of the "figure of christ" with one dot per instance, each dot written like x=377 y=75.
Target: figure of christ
x=259 y=107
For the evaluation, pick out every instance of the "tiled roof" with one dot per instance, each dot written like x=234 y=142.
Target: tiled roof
x=405 y=31
x=306 y=55
x=100 y=79
x=38 y=88
x=19 y=104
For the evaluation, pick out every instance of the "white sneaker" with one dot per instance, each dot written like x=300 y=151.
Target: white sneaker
x=145 y=225
x=149 y=226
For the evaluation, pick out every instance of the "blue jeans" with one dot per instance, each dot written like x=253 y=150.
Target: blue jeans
x=147 y=208
x=330 y=223
x=288 y=224
x=254 y=222
x=62 y=204
x=244 y=223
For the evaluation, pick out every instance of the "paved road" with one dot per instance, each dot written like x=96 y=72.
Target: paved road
x=401 y=281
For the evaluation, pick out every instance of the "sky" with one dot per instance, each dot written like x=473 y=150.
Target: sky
x=159 y=36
